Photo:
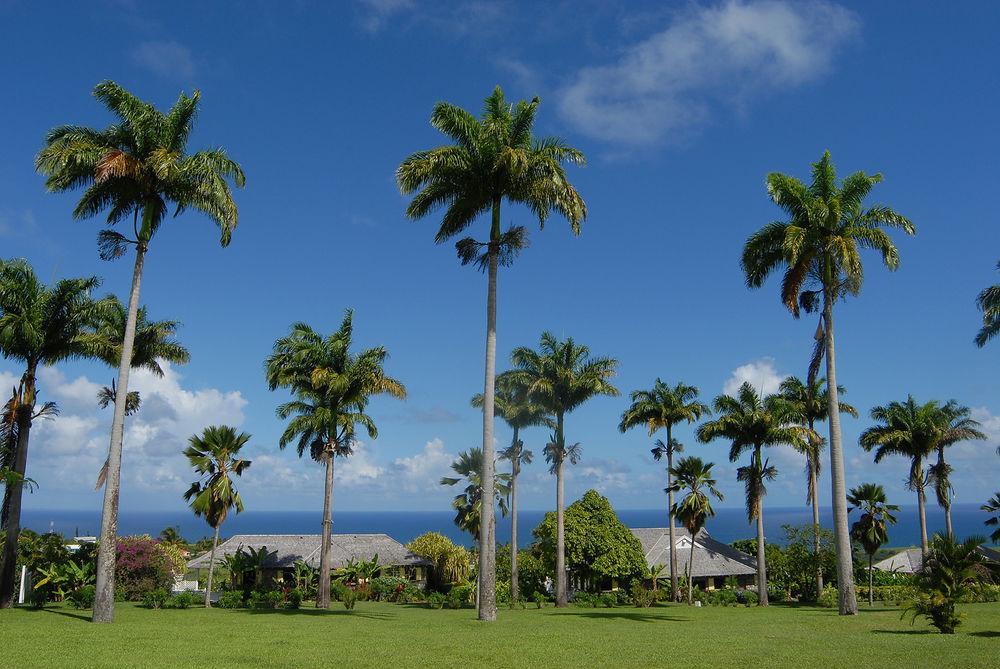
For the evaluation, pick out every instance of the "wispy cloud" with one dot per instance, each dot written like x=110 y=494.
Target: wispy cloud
x=377 y=13
x=167 y=59
x=731 y=54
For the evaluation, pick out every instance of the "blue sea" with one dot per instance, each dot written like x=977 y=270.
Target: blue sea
x=728 y=525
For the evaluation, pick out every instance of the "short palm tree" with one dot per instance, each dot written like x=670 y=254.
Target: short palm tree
x=40 y=325
x=989 y=303
x=491 y=159
x=871 y=530
x=819 y=247
x=138 y=167
x=808 y=401
x=950 y=572
x=993 y=506
x=468 y=504
x=215 y=458
x=662 y=407
x=560 y=377
x=750 y=422
x=331 y=387
x=694 y=476
x=955 y=425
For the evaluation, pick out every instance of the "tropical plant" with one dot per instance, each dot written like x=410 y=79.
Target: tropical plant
x=468 y=503
x=491 y=159
x=662 y=407
x=819 y=247
x=695 y=477
x=949 y=571
x=750 y=422
x=560 y=376
x=214 y=456
x=954 y=425
x=137 y=167
x=993 y=506
x=332 y=387
x=40 y=325
x=171 y=535
x=989 y=303
x=65 y=577
x=358 y=571
x=142 y=565
x=871 y=530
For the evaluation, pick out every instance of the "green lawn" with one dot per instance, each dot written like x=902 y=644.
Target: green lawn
x=389 y=635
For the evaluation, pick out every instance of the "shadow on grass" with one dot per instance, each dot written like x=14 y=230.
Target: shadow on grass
x=78 y=615
x=604 y=614
x=316 y=612
x=904 y=632
x=986 y=635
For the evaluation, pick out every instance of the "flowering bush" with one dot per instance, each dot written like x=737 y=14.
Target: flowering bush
x=142 y=565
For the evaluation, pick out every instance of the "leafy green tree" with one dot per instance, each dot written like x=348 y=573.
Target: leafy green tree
x=215 y=458
x=661 y=408
x=950 y=569
x=993 y=506
x=954 y=425
x=871 y=530
x=39 y=326
x=331 y=388
x=138 y=167
x=819 y=247
x=560 y=376
x=751 y=423
x=989 y=303
x=599 y=547
x=491 y=159
x=694 y=476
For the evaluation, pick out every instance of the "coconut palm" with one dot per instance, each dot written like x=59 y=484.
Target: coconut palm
x=694 y=476
x=989 y=303
x=993 y=506
x=331 y=388
x=661 y=408
x=138 y=167
x=955 y=425
x=214 y=455
x=750 y=422
x=468 y=503
x=871 y=530
x=809 y=402
x=819 y=247
x=40 y=325
x=560 y=376
x=491 y=159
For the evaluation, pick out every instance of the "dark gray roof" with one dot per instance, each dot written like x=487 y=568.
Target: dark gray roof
x=910 y=560
x=711 y=557
x=285 y=549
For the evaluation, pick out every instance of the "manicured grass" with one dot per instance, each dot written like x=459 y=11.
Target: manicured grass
x=389 y=635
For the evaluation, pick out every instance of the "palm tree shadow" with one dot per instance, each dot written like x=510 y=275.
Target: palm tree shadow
x=905 y=632
x=69 y=614
x=635 y=616
x=317 y=612
x=986 y=635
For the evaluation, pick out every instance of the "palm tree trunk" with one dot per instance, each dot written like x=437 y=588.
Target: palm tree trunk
x=922 y=509
x=871 y=582
x=561 y=598
x=945 y=495
x=515 y=470
x=211 y=569
x=813 y=483
x=104 y=601
x=845 y=562
x=323 y=595
x=674 y=592
x=690 y=567
x=761 y=561
x=13 y=525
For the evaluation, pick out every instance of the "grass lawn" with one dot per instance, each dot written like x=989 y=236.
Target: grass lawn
x=391 y=635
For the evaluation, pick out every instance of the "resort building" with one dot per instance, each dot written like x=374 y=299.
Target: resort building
x=910 y=560
x=713 y=563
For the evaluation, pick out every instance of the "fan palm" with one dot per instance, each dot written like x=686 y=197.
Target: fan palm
x=819 y=247
x=750 y=422
x=468 y=503
x=872 y=529
x=662 y=407
x=989 y=303
x=491 y=159
x=694 y=476
x=331 y=388
x=214 y=456
x=993 y=506
x=39 y=325
x=954 y=425
x=138 y=168
x=561 y=376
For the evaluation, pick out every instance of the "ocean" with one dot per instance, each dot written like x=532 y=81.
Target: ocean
x=728 y=524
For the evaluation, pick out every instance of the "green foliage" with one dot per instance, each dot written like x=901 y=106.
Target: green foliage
x=642 y=597
x=436 y=600
x=349 y=598
x=749 y=597
x=949 y=575
x=452 y=563
x=829 y=598
x=723 y=597
x=82 y=597
x=468 y=503
x=393 y=589
x=214 y=456
x=266 y=599
x=182 y=600
x=230 y=600
x=155 y=599
x=609 y=600
x=791 y=569
x=539 y=599
x=461 y=595
x=293 y=598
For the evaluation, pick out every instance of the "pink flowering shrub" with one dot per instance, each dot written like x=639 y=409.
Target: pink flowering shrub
x=141 y=566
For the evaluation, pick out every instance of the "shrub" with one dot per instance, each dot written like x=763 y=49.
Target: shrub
x=349 y=598
x=539 y=599
x=83 y=597
x=387 y=588
x=155 y=599
x=889 y=593
x=230 y=600
x=460 y=595
x=272 y=599
x=642 y=597
x=293 y=599
x=182 y=600
x=436 y=600
x=609 y=600
x=503 y=592
x=586 y=599
x=142 y=565
x=982 y=592
x=337 y=590
x=829 y=598
x=750 y=598
x=722 y=598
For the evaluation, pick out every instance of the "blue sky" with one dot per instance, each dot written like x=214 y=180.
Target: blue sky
x=681 y=108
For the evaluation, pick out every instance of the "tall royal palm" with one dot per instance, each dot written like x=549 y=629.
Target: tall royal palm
x=871 y=530
x=661 y=408
x=492 y=159
x=808 y=401
x=694 y=476
x=215 y=458
x=331 y=387
x=993 y=506
x=138 y=168
x=955 y=424
x=750 y=422
x=819 y=247
x=39 y=325
x=560 y=376
x=989 y=303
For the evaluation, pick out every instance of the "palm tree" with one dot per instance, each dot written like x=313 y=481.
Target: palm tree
x=39 y=326
x=819 y=247
x=993 y=506
x=949 y=573
x=872 y=529
x=989 y=303
x=694 y=476
x=492 y=159
x=911 y=430
x=138 y=167
x=171 y=535
x=215 y=458
x=331 y=388
x=560 y=377
x=751 y=423
x=808 y=401
x=468 y=503
x=662 y=408
x=519 y=412
x=955 y=425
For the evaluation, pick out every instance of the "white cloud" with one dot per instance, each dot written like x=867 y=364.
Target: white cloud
x=422 y=472
x=165 y=58
x=730 y=53
x=761 y=374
